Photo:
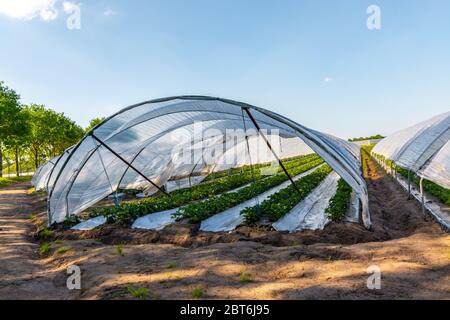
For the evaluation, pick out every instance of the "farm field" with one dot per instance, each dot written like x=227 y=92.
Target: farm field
x=181 y=262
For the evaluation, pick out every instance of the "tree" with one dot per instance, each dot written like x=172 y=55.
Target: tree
x=9 y=113
x=18 y=137
x=93 y=123
x=51 y=133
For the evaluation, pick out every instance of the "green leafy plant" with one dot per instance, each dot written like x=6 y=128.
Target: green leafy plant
x=62 y=250
x=129 y=211
x=245 y=277
x=119 y=250
x=197 y=293
x=44 y=248
x=45 y=234
x=71 y=221
x=138 y=293
x=280 y=203
x=340 y=202
x=200 y=211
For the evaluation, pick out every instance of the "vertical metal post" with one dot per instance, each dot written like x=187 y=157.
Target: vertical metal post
x=422 y=196
x=409 y=184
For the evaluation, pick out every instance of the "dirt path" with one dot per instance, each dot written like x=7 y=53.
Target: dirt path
x=412 y=252
x=22 y=274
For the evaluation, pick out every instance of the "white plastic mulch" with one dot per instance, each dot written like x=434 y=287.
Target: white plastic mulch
x=229 y=219
x=160 y=220
x=90 y=224
x=310 y=213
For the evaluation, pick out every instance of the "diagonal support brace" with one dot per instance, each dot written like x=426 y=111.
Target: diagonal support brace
x=127 y=163
x=250 y=115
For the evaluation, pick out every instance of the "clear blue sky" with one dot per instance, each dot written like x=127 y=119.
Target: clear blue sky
x=273 y=54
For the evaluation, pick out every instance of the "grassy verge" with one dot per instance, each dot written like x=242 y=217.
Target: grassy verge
x=4 y=182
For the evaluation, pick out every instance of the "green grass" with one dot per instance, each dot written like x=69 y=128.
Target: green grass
x=4 y=182
x=171 y=266
x=44 y=248
x=119 y=250
x=197 y=293
x=245 y=277
x=138 y=293
x=62 y=250
x=45 y=234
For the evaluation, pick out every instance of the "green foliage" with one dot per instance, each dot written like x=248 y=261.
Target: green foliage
x=119 y=250
x=280 y=203
x=138 y=293
x=62 y=250
x=128 y=212
x=8 y=181
x=44 y=248
x=71 y=221
x=197 y=293
x=45 y=234
x=200 y=211
x=432 y=188
x=340 y=203
x=94 y=122
x=375 y=137
x=245 y=277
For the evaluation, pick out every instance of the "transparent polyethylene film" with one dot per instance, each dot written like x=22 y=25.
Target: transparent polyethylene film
x=438 y=170
x=145 y=146
x=422 y=148
x=413 y=146
x=42 y=175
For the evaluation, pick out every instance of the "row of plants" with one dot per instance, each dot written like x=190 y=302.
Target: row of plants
x=248 y=168
x=282 y=202
x=432 y=188
x=129 y=211
x=200 y=211
x=429 y=187
x=340 y=202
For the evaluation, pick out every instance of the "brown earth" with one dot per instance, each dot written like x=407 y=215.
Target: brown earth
x=411 y=250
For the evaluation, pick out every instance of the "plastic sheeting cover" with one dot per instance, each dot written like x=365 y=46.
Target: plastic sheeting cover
x=149 y=136
x=422 y=148
x=310 y=214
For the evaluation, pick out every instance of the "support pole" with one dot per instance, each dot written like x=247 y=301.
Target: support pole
x=129 y=164
x=271 y=149
x=422 y=196
x=409 y=184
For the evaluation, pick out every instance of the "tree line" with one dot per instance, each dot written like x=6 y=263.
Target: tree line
x=32 y=134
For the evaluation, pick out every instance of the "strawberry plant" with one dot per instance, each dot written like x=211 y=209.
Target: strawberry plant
x=200 y=211
x=280 y=203
x=340 y=202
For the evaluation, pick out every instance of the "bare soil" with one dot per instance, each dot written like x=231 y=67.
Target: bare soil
x=411 y=250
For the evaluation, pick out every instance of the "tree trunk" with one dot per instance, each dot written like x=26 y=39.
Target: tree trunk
x=1 y=163
x=36 y=159
x=17 y=162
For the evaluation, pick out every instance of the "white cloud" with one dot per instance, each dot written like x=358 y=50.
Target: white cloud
x=109 y=12
x=29 y=9
x=69 y=7
x=328 y=80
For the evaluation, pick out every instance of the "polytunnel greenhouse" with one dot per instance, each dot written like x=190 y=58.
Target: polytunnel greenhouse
x=165 y=145
x=423 y=149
